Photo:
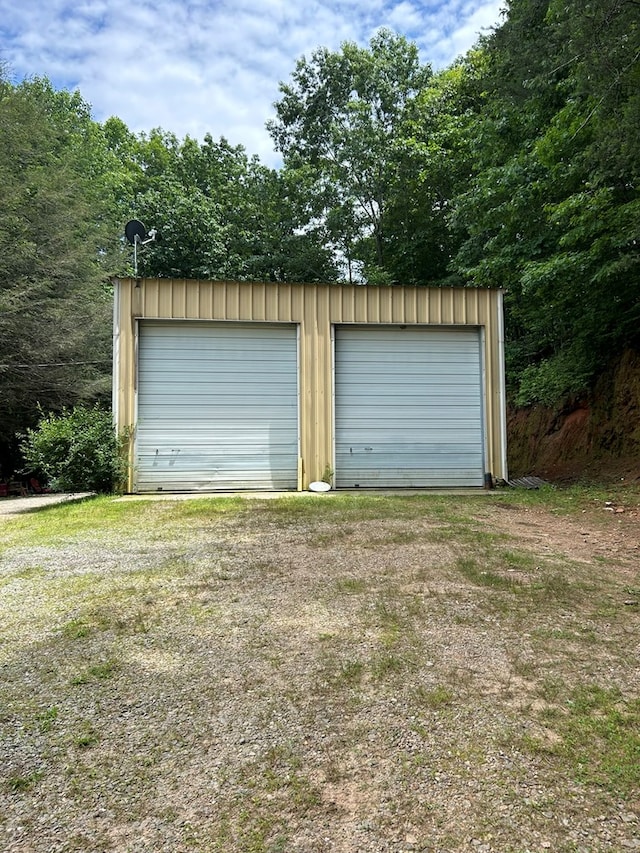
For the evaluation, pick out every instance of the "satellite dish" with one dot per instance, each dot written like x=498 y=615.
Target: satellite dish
x=134 y=231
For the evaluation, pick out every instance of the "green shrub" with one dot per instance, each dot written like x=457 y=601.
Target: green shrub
x=77 y=450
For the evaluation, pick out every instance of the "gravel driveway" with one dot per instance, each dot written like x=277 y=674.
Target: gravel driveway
x=346 y=675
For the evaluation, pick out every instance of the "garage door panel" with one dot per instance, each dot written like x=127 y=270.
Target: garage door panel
x=408 y=407
x=217 y=407
x=220 y=413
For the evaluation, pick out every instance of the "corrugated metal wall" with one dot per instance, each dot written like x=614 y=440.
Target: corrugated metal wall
x=317 y=309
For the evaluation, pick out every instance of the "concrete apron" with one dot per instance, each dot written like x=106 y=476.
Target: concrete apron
x=13 y=506
x=260 y=495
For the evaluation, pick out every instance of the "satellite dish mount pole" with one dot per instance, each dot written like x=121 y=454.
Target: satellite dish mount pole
x=135 y=256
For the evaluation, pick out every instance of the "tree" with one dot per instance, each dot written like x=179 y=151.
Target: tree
x=220 y=213
x=337 y=126
x=436 y=157
x=552 y=211
x=55 y=244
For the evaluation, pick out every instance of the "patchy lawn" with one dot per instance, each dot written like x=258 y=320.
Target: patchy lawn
x=322 y=673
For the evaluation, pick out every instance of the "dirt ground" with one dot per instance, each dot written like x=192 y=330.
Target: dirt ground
x=609 y=529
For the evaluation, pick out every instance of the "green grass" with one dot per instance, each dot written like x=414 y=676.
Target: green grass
x=434 y=697
x=481 y=574
x=66 y=520
x=87 y=735
x=598 y=736
x=352 y=672
x=351 y=586
x=22 y=783
x=46 y=719
x=570 y=500
x=106 y=514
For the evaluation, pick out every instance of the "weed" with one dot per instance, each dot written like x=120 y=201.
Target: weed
x=83 y=626
x=516 y=560
x=525 y=667
x=327 y=475
x=20 y=783
x=29 y=572
x=601 y=735
x=481 y=576
x=434 y=697
x=98 y=672
x=77 y=629
x=551 y=688
x=333 y=771
x=388 y=617
x=556 y=585
x=465 y=531
x=87 y=736
x=135 y=623
x=392 y=663
x=351 y=672
x=598 y=736
x=351 y=586
x=392 y=537
x=331 y=538
x=46 y=719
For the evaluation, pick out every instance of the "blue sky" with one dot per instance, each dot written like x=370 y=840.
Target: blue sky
x=211 y=66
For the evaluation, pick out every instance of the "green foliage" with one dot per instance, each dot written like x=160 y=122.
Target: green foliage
x=598 y=737
x=556 y=378
x=551 y=214
x=57 y=236
x=338 y=124
x=220 y=214
x=327 y=474
x=601 y=735
x=77 y=450
x=517 y=167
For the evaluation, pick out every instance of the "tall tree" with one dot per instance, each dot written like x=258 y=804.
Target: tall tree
x=338 y=123
x=55 y=232
x=436 y=151
x=552 y=212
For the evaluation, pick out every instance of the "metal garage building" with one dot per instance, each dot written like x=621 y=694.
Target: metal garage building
x=234 y=385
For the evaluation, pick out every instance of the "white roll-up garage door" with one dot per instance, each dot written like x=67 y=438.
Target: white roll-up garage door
x=217 y=406
x=409 y=407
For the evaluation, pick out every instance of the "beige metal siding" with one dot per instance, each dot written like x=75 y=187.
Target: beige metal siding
x=316 y=308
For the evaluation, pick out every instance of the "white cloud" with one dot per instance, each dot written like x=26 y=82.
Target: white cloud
x=197 y=66
x=405 y=17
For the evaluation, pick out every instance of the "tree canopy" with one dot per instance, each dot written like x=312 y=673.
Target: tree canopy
x=339 y=125
x=54 y=307
x=220 y=213
x=551 y=212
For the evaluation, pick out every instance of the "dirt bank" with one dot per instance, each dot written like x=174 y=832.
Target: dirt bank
x=594 y=438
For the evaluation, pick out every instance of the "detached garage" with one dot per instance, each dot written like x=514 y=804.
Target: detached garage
x=261 y=386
